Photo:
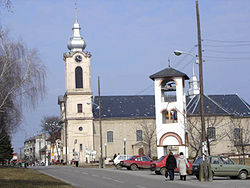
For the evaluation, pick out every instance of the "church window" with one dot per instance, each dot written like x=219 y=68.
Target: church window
x=80 y=147
x=109 y=136
x=168 y=91
x=211 y=133
x=237 y=136
x=138 y=135
x=165 y=117
x=79 y=108
x=237 y=133
x=173 y=116
x=78 y=77
x=80 y=128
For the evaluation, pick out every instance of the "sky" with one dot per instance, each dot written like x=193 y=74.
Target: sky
x=130 y=40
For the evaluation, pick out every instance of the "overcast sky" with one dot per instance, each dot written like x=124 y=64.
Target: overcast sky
x=131 y=39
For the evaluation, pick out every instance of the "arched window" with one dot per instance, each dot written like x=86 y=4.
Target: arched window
x=78 y=77
x=165 y=117
x=168 y=91
x=169 y=116
x=173 y=116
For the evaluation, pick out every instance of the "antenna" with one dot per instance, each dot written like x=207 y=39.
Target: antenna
x=168 y=61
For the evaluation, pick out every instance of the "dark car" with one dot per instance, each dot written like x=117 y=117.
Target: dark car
x=223 y=166
x=159 y=166
x=137 y=161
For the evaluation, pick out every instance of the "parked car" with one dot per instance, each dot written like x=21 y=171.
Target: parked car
x=137 y=161
x=159 y=166
x=120 y=158
x=223 y=166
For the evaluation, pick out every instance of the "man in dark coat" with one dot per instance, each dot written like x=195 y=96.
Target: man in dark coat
x=171 y=165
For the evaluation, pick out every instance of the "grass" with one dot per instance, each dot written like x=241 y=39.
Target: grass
x=28 y=178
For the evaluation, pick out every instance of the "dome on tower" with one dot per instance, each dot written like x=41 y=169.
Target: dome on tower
x=76 y=42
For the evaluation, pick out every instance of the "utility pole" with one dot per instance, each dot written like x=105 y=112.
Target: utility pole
x=203 y=128
x=100 y=125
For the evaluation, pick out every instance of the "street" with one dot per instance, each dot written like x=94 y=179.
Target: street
x=113 y=178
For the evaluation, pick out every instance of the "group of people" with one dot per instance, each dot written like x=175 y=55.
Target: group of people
x=172 y=164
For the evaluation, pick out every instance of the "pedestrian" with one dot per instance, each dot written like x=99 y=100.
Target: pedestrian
x=114 y=156
x=170 y=165
x=182 y=165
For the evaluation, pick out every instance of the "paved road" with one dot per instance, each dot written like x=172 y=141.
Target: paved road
x=112 y=178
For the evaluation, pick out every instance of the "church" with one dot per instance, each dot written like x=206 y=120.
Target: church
x=140 y=124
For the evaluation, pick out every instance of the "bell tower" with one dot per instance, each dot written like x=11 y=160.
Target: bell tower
x=78 y=134
x=170 y=111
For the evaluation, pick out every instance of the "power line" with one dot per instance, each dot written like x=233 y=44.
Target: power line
x=226 y=41
x=227 y=52
x=235 y=45
x=228 y=58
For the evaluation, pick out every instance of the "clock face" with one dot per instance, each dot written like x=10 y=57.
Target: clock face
x=78 y=58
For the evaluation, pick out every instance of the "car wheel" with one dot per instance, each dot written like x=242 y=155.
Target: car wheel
x=163 y=171
x=133 y=167
x=243 y=175
x=128 y=168
x=158 y=172
x=118 y=166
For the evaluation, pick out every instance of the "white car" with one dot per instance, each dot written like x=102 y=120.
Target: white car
x=120 y=158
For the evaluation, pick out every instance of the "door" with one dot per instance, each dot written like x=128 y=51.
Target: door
x=216 y=165
x=141 y=151
x=228 y=167
x=146 y=162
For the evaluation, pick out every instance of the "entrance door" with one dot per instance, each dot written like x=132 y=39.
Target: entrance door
x=165 y=150
x=141 y=151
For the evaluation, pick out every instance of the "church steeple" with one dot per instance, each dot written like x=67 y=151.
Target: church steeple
x=194 y=88
x=76 y=42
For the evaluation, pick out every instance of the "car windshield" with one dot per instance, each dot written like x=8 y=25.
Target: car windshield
x=226 y=160
x=198 y=161
x=130 y=158
x=159 y=160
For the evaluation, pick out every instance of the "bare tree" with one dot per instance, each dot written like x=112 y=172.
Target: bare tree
x=239 y=135
x=52 y=127
x=5 y=4
x=22 y=80
x=216 y=131
x=148 y=134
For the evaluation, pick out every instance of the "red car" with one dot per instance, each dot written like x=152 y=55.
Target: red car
x=159 y=166
x=137 y=161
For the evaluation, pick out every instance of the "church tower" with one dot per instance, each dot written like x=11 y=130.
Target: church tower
x=170 y=111
x=78 y=134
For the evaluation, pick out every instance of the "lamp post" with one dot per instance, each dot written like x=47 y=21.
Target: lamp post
x=203 y=130
x=100 y=123
x=124 y=146
x=105 y=145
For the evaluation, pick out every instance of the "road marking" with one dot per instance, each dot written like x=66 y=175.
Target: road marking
x=94 y=175
x=107 y=178
x=85 y=173
x=140 y=186
x=118 y=181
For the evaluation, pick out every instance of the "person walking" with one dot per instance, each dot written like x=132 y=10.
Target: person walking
x=170 y=165
x=182 y=165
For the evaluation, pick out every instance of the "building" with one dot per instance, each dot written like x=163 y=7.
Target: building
x=150 y=125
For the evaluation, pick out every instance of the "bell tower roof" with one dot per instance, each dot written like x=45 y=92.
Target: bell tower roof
x=76 y=42
x=169 y=72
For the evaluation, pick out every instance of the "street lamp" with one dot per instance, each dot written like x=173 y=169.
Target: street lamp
x=203 y=131
x=100 y=123
x=124 y=146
